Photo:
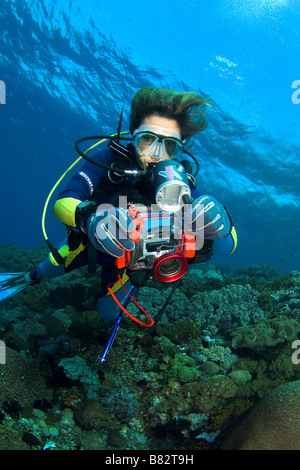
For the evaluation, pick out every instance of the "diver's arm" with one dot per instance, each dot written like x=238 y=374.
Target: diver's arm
x=227 y=244
x=64 y=210
x=80 y=188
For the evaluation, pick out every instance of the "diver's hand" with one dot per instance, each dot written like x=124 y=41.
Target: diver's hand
x=108 y=228
x=214 y=219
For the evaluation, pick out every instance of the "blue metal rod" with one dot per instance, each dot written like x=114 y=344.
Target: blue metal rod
x=111 y=338
x=115 y=327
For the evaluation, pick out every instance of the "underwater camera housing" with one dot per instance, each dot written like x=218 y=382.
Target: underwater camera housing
x=162 y=243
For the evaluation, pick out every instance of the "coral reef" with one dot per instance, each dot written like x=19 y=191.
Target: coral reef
x=267 y=332
x=223 y=344
x=18 y=376
x=76 y=368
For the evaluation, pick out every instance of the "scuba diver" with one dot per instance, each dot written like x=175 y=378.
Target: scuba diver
x=101 y=232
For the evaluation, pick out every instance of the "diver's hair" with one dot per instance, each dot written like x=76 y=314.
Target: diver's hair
x=186 y=108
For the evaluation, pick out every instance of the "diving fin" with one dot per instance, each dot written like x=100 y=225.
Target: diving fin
x=11 y=283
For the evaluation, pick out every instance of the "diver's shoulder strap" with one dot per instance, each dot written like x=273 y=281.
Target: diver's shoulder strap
x=112 y=184
x=122 y=158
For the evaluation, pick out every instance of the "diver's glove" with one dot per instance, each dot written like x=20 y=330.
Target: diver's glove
x=215 y=222
x=108 y=228
x=83 y=212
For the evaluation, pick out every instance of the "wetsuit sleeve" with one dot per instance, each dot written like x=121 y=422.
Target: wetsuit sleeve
x=64 y=210
x=80 y=188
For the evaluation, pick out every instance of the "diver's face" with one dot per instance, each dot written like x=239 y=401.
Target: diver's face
x=148 y=148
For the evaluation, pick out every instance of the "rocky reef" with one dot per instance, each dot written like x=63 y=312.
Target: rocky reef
x=227 y=339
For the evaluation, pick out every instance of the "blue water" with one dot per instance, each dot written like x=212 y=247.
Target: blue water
x=69 y=67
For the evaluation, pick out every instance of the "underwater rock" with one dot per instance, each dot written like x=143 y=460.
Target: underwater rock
x=273 y=423
x=11 y=441
x=90 y=415
x=15 y=258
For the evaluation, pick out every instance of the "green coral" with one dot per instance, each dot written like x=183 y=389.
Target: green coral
x=267 y=332
x=182 y=366
x=76 y=368
x=180 y=330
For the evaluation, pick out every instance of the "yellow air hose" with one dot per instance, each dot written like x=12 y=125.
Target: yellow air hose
x=57 y=255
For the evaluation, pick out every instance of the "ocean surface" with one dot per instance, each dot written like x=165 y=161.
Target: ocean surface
x=68 y=67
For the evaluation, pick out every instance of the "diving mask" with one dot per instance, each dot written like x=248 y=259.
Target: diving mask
x=157 y=142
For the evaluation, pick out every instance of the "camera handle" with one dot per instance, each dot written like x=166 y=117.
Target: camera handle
x=152 y=329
